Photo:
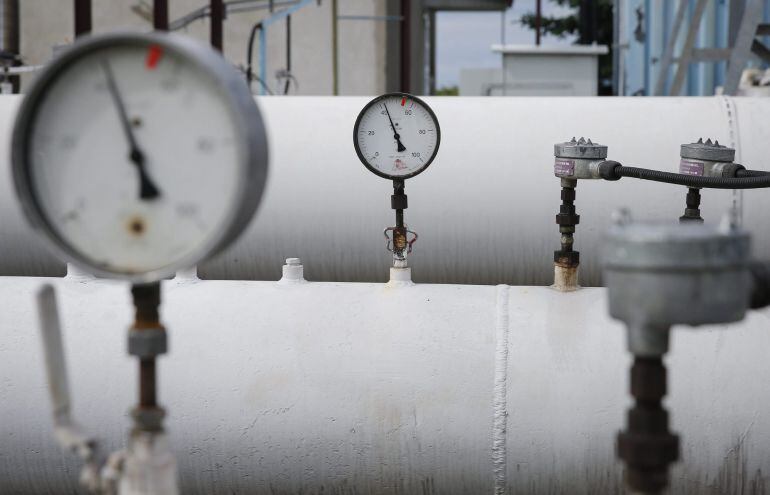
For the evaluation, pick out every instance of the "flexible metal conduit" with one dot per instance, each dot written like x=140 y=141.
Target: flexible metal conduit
x=612 y=171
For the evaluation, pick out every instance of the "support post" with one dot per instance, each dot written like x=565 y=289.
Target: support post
x=335 y=50
x=406 y=46
x=82 y=17
x=160 y=15
x=217 y=8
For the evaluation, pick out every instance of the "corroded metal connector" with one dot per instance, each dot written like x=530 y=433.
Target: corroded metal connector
x=704 y=159
x=647 y=446
x=400 y=244
x=575 y=159
x=658 y=276
x=146 y=340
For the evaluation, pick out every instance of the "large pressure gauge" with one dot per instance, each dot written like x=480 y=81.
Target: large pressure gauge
x=139 y=154
x=396 y=136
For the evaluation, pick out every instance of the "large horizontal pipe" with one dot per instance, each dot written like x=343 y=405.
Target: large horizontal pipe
x=484 y=209
x=362 y=388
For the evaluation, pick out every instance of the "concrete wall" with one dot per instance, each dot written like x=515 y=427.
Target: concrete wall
x=46 y=23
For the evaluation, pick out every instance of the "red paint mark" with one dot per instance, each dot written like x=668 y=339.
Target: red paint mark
x=403 y=101
x=154 y=54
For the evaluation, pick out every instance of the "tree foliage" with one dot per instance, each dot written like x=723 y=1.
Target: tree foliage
x=562 y=27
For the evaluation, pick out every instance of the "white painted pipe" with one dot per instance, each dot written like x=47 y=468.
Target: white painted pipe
x=484 y=209
x=372 y=388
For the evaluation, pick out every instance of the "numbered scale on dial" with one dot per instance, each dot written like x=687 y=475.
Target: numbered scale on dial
x=137 y=155
x=396 y=136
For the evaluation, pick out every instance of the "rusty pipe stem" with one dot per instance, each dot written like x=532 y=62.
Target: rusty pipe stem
x=147 y=384
x=146 y=299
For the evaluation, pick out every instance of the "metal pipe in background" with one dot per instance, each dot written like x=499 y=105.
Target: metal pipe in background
x=160 y=15
x=406 y=46
x=485 y=208
x=217 y=20
x=288 y=55
x=9 y=37
x=335 y=59
x=401 y=394
x=9 y=17
x=83 y=17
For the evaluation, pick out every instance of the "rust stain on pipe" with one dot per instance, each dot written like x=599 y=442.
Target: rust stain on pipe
x=565 y=277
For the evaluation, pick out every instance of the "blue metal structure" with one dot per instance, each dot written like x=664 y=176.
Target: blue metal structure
x=263 y=25
x=644 y=28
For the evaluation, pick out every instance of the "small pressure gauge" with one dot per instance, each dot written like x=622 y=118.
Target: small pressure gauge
x=139 y=154
x=396 y=136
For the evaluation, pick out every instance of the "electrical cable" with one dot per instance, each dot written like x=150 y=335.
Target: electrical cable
x=250 y=76
x=751 y=173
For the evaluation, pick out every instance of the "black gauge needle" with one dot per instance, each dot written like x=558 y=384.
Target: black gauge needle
x=396 y=135
x=147 y=188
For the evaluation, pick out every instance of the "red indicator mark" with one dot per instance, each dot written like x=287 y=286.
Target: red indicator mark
x=403 y=101
x=154 y=54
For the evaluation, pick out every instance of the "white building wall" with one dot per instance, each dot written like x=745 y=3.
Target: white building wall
x=46 y=23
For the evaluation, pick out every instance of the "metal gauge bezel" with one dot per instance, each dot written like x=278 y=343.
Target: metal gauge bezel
x=361 y=156
x=250 y=137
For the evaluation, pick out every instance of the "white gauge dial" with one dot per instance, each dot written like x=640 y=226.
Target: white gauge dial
x=133 y=155
x=396 y=136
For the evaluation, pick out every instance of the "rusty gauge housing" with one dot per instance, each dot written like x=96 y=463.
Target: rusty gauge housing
x=137 y=155
x=396 y=136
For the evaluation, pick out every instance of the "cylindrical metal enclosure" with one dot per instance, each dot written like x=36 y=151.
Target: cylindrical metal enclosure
x=483 y=210
x=670 y=274
x=367 y=388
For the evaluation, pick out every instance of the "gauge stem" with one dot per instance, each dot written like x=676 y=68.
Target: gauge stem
x=146 y=341
x=147 y=188
x=398 y=201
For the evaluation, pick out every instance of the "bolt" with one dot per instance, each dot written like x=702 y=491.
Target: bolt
x=293 y=261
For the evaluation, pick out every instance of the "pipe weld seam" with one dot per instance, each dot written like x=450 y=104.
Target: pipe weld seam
x=500 y=391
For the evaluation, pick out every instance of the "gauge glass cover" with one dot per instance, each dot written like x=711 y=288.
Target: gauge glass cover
x=188 y=116
x=396 y=136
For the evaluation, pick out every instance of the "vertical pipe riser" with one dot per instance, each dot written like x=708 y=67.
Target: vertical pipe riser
x=217 y=9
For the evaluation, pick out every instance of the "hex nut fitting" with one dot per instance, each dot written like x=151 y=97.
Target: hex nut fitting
x=148 y=418
x=147 y=343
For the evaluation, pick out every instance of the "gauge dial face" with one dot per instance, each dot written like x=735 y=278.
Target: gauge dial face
x=396 y=136
x=133 y=159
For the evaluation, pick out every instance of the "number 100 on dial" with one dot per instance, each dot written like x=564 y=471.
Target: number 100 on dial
x=396 y=136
